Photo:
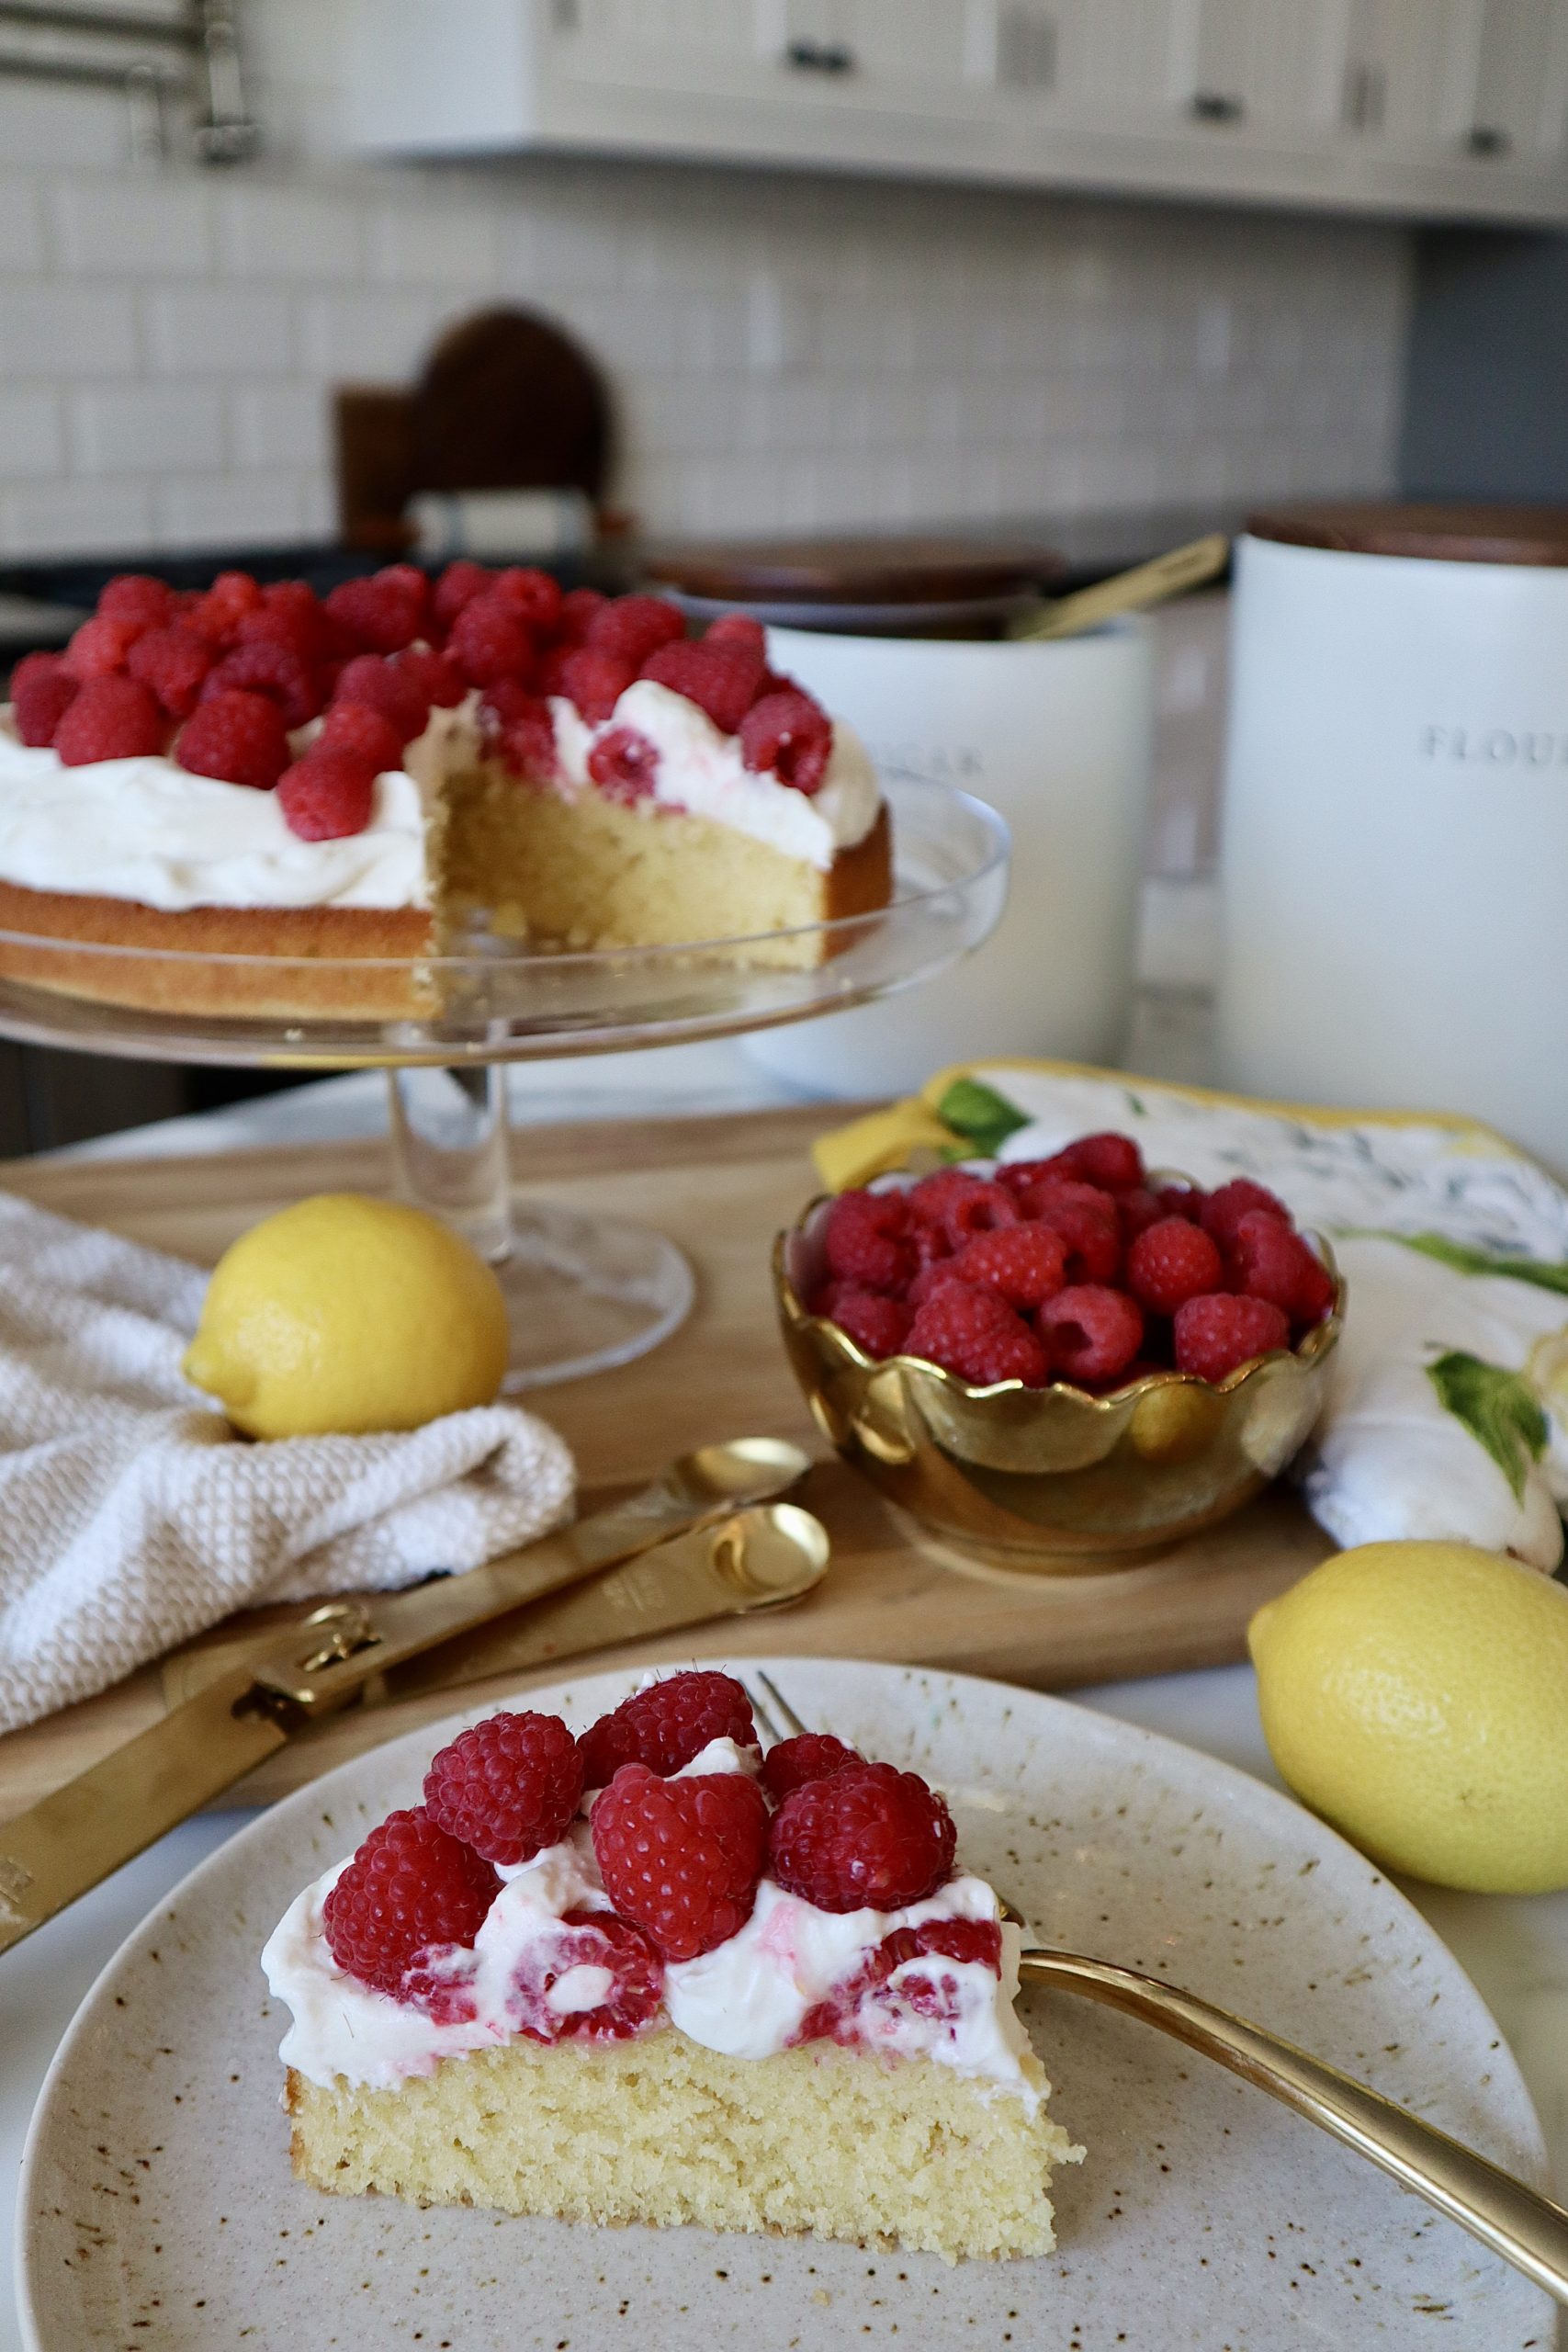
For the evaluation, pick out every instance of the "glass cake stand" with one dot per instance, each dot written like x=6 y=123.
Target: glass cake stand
x=584 y=1292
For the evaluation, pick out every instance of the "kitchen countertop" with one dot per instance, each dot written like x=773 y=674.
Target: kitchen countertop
x=1516 y=1949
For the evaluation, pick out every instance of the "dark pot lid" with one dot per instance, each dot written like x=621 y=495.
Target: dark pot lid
x=1443 y=533
x=851 y=570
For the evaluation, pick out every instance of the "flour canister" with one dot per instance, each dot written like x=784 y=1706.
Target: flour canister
x=1395 y=833
x=1056 y=738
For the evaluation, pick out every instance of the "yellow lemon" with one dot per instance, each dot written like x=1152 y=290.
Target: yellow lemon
x=1416 y=1696
x=348 y=1314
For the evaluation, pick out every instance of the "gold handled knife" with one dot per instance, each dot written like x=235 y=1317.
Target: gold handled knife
x=72 y=1838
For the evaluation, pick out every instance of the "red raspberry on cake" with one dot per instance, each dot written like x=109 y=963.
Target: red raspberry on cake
x=865 y=1240
x=138 y=598
x=977 y=1335
x=875 y=1323
x=381 y=685
x=599 y=1939
x=594 y=682
x=1170 y=1262
x=43 y=690
x=99 y=648
x=667 y=1724
x=741 y=629
x=386 y=612
x=682 y=1858
x=1222 y=1212
x=508 y=1787
x=533 y=596
x=327 y=796
x=1025 y=1265
x=268 y=668
x=365 y=734
x=720 y=679
x=459 y=585
x=175 y=663
x=868 y=1838
x=810 y=1755
x=578 y=609
x=789 y=736
x=217 y=614
x=109 y=718
x=440 y=682
x=1270 y=1261
x=489 y=640
x=1091 y=1333
x=1217 y=1334
x=632 y=628
x=622 y=764
x=410 y=1890
x=238 y=737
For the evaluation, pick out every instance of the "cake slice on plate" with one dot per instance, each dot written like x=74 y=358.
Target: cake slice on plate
x=649 y=1975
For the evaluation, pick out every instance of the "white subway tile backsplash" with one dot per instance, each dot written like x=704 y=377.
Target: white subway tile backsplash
x=32 y=442
x=281 y=424
x=151 y=428
x=254 y=509
x=435 y=244
x=220 y=331
x=364 y=337
x=134 y=228
x=21 y=231
x=76 y=518
x=282 y=233
x=65 y=330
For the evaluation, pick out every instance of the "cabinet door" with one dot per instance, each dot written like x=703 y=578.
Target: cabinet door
x=1272 y=65
x=668 y=44
x=1521 y=82
x=1410 y=78
x=1117 y=65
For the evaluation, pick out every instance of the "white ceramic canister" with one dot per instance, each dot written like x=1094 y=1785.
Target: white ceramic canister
x=1055 y=737
x=1395 y=833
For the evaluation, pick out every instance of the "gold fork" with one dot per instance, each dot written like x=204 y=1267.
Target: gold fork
x=1513 y=2220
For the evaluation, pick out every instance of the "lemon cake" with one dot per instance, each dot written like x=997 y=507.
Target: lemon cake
x=307 y=798
x=648 y=1976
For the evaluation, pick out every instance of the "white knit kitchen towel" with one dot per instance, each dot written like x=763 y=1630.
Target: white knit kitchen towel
x=131 y=1515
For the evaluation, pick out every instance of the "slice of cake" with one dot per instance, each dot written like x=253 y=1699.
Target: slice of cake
x=649 y=1975
x=345 y=787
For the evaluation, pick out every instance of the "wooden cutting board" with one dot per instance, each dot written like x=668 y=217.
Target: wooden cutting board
x=720 y=1187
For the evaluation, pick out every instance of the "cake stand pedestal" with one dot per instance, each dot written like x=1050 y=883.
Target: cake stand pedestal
x=584 y=1292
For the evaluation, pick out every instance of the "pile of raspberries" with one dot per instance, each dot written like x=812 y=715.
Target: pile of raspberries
x=225 y=680
x=681 y=1858
x=1071 y=1269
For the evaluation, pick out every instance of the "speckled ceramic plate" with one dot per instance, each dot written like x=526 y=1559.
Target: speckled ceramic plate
x=157 y=2206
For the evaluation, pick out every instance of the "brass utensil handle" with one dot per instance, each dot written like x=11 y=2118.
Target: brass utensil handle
x=1513 y=2220
x=1129 y=591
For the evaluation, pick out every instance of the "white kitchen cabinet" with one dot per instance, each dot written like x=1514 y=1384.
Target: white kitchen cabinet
x=1425 y=108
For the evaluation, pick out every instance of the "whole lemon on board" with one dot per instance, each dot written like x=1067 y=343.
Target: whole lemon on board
x=344 y=1313
x=1416 y=1696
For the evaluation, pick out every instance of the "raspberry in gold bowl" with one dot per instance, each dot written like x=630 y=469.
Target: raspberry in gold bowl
x=1062 y=1406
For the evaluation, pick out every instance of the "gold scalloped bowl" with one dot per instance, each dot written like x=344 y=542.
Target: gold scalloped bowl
x=1053 y=1479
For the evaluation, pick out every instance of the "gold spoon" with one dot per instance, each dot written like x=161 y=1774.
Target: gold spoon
x=1127 y=591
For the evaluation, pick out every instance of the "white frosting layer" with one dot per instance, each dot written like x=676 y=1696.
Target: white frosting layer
x=146 y=829
x=748 y=1998
x=702 y=772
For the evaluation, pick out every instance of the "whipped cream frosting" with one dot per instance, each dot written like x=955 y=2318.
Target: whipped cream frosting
x=748 y=1998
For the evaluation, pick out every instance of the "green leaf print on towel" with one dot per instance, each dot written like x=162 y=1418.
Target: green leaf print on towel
x=1464 y=1259
x=977 y=1113
x=1499 y=1408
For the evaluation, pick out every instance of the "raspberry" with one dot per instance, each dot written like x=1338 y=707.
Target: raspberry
x=386 y=612
x=1023 y=1263
x=977 y=1335
x=109 y=718
x=825 y=1298
x=138 y=598
x=42 y=690
x=1217 y=1332
x=593 y=1940
x=295 y=623
x=741 y=629
x=174 y=662
x=931 y=1198
x=1138 y=1208
x=1223 y=1212
x=326 y=795
x=981 y=1208
x=931 y=1278
x=810 y=1755
x=459 y=585
x=1272 y=1263
x=1111 y=1161
x=489 y=640
x=720 y=679
x=432 y=675
x=381 y=685
x=239 y=738
x=931 y=1244
x=789 y=736
x=594 y=681
x=507 y=1787
x=868 y=1838
x=533 y=596
x=878 y=1325
x=1091 y=1333
x=667 y=1724
x=624 y=764
x=578 y=609
x=1087 y=1220
x=217 y=614
x=99 y=647
x=1181 y=1199
x=410 y=1890
x=973 y=1941
x=682 y=1858
x=524 y=731
x=865 y=1243
x=631 y=627
x=268 y=669
x=1170 y=1262
x=365 y=734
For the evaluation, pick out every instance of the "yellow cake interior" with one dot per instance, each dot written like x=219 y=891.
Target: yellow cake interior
x=818 y=2139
